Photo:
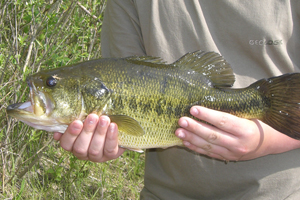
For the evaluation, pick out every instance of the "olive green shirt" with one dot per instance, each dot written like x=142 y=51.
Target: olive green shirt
x=258 y=38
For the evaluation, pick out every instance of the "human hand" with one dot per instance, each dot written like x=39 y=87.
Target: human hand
x=226 y=137
x=96 y=139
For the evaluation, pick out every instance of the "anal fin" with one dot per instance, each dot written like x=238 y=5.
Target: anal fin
x=134 y=149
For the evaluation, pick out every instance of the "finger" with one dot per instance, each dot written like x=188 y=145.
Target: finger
x=204 y=152
x=111 y=148
x=57 y=136
x=233 y=147
x=224 y=121
x=95 y=152
x=82 y=143
x=69 y=137
x=206 y=132
x=200 y=145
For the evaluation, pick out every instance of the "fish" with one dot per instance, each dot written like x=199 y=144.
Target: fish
x=145 y=96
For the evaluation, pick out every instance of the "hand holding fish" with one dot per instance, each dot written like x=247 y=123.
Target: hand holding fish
x=96 y=139
x=231 y=138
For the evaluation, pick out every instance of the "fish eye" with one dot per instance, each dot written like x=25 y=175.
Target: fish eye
x=51 y=82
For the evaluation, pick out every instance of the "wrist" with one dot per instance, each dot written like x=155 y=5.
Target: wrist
x=276 y=142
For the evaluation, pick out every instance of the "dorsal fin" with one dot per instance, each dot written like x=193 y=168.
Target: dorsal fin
x=210 y=64
x=147 y=60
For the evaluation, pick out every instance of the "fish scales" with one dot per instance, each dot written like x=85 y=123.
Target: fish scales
x=153 y=99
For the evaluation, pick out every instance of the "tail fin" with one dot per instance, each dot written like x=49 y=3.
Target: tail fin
x=283 y=96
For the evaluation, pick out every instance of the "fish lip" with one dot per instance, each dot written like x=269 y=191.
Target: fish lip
x=26 y=106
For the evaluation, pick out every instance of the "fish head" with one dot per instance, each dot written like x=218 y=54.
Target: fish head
x=55 y=100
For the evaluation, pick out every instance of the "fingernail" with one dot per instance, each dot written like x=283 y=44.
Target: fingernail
x=181 y=135
x=194 y=111
x=102 y=122
x=91 y=120
x=76 y=126
x=111 y=128
x=183 y=123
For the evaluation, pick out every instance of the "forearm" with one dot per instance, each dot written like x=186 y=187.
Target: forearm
x=276 y=142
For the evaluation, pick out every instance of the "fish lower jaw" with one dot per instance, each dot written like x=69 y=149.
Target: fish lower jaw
x=61 y=128
x=24 y=113
x=28 y=108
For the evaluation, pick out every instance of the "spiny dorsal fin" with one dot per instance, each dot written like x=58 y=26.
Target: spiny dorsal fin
x=210 y=64
x=147 y=60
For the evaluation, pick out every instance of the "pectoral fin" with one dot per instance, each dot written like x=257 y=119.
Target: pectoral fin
x=127 y=125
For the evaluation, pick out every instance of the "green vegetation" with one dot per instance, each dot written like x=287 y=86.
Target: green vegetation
x=40 y=34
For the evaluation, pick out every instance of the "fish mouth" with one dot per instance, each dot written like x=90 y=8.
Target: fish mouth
x=38 y=105
x=37 y=111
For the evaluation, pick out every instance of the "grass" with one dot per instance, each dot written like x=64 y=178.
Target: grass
x=36 y=35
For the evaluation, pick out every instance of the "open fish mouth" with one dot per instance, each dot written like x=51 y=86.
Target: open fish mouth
x=36 y=112
x=38 y=104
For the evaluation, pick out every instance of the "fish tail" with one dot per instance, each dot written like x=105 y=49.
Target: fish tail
x=282 y=98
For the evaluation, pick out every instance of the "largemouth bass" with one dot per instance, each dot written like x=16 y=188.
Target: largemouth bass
x=145 y=96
